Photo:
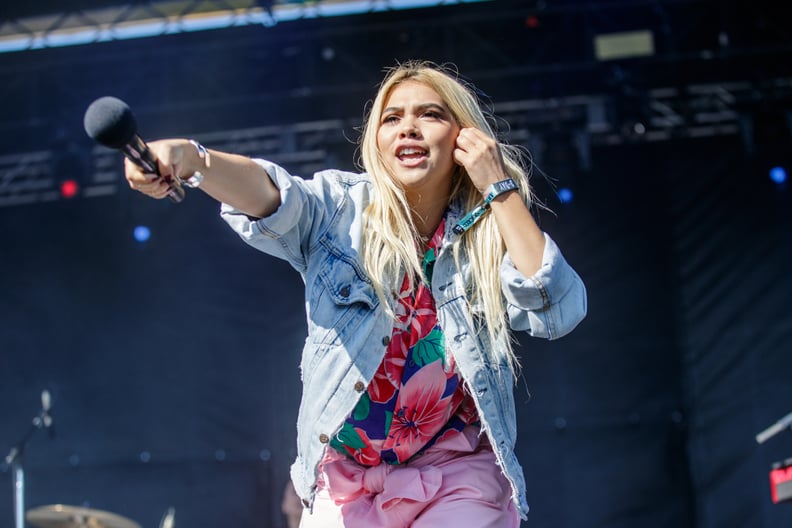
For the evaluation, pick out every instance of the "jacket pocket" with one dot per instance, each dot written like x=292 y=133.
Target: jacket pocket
x=341 y=300
x=345 y=282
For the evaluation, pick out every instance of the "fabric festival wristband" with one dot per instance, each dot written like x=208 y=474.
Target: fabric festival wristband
x=492 y=192
x=469 y=219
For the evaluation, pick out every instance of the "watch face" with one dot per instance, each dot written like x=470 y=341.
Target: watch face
x=194 y=180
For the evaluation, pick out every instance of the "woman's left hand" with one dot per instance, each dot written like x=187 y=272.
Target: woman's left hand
x=479 y=155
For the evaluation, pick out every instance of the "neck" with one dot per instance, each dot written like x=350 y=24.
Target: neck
x=427 y=215
x=428 y=204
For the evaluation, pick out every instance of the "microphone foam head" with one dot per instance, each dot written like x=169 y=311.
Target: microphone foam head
x=46 y=400
x=110 y=121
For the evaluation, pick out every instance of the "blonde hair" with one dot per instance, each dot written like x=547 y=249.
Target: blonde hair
x=388 y=254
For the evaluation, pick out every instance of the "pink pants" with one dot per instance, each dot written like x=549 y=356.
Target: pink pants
x=455 y=483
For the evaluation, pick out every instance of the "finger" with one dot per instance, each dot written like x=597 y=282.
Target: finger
x=463 y=144
x=462 y=137
x=461 y=157
x=161 y=192
x=175 y=170
x=472 y=135
x=158 y=189
x=472 y=141
x=143 y=182
x=170 y=157
x=135 y=175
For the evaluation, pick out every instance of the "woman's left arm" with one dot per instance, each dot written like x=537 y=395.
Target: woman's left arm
x=525 y=242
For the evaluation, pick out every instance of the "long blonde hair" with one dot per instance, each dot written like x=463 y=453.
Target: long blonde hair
x=388 y=254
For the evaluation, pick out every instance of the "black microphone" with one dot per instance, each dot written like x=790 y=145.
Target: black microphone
x=110 y=122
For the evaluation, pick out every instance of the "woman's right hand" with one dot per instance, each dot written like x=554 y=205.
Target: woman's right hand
x=232 y=179
x=174 y=157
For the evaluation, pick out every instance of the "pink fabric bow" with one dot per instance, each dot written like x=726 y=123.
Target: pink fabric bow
x=388 y=485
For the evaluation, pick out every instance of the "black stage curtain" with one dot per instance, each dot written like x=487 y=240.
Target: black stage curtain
x=173 y=364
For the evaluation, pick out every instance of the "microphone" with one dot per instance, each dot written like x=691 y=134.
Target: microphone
x=110 y=122
x=46 y=415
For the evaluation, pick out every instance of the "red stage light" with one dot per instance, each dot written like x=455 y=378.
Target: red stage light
x=532 y=22
x=69 y=189
x=781 y=482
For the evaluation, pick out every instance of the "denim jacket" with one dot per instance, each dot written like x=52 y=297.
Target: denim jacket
x=318 y=230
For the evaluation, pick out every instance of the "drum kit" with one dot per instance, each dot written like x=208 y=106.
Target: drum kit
x=62 y=516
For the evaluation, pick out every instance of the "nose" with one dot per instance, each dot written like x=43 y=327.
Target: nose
x=409 y=128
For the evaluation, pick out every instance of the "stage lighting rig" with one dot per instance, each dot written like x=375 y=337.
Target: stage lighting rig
x=780 y=472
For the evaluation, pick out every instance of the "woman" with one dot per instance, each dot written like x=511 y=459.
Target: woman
x=416 y=271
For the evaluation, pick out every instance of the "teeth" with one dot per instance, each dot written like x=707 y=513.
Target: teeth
x=410 y=151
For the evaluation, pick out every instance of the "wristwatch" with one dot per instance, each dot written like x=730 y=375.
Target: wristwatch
x=197 y=178
x=498 y=188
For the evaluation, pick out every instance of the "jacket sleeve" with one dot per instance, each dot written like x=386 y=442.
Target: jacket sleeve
x=287 y=233
x=550 y=303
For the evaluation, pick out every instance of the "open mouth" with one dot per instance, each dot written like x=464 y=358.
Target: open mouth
x=411 y=154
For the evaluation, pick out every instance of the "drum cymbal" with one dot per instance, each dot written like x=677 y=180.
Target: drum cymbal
x=62 y=516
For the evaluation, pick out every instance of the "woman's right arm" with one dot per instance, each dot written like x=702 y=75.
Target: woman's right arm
x=229 y=178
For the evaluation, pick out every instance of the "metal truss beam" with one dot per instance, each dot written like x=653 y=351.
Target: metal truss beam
x=708 y=76
x=664 y=114
x=158 y=18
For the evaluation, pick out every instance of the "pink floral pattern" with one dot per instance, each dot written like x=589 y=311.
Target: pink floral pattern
x=416 y=395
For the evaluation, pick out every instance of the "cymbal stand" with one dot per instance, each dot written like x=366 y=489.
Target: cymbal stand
x=15 y=457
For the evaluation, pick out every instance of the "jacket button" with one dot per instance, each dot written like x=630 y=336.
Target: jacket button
x=360 y=386
x=386 y=340
x=324 y=438
x=345 y=291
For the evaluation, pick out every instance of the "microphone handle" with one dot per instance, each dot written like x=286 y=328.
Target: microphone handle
x=138 y=152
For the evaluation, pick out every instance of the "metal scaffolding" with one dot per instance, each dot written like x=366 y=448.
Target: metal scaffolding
x=157 y=18
x=294 y=91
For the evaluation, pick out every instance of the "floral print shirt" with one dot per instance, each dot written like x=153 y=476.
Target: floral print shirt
x=416 y=396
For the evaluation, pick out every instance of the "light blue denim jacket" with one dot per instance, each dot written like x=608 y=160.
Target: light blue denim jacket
x=318 y=230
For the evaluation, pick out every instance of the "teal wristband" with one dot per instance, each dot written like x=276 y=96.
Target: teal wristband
x=492 y=192
x=469 y=219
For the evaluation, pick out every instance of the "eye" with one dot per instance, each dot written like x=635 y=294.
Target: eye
x=391 y=118
x=432 y=114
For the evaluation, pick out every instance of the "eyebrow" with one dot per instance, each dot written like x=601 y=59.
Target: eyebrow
x=420 y=107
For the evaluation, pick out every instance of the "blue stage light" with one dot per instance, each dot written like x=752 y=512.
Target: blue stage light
x=142 y=233
x=778 y=175
x=565 y=195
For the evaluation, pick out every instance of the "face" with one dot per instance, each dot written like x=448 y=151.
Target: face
x=416 y=139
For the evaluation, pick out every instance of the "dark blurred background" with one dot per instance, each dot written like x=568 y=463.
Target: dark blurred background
x=660 y=131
